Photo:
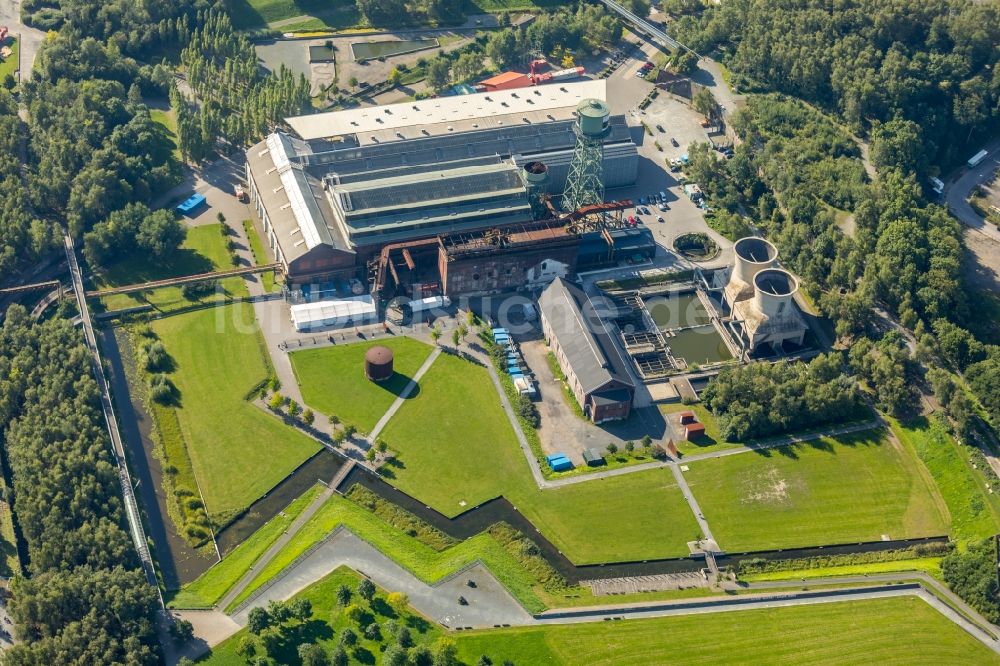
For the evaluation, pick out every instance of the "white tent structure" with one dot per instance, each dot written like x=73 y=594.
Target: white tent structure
x=334 y=314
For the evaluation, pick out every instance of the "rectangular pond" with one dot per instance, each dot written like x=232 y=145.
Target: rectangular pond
x=700 y=344
x=387 y=49
x=677 y=310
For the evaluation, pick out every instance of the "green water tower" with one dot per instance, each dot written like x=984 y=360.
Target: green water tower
x=593 y=118
x=585 y=183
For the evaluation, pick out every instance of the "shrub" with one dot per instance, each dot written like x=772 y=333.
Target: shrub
x=156 y=356
x=161 y=389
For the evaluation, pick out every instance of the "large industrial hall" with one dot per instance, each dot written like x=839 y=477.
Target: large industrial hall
x=389 y=194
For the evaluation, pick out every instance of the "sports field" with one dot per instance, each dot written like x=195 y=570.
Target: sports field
x=238 y=451
x=333 y=380
x=853 y=488
x=204 y=250
x=881 y=631
x=457 y=449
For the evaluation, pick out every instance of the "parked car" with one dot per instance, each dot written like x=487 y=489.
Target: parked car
x=642 y=200
x=663 y=197
x=659 y=128
x=659 y=218
x=662 y=206
x=673 y=142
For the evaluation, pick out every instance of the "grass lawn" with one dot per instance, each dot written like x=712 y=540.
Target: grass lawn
x=260 y=256
x=423 y=561
x=238 y=452
x=328 y=622
x=928 y=565
x=259 y=13
x=711 y=441
x=10 y=65
x=467 y=440
x=204 y=250
x=206 y=591
x=168 y=120
x=974 y=514
x=901 y=630
x=333 y=380
x=853 y=488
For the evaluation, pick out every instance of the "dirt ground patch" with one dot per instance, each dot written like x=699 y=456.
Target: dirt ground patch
x=982 y=268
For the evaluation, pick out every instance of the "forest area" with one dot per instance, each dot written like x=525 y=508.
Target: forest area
x=919 y=82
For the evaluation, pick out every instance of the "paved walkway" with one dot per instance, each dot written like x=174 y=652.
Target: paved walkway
x=489 y=603
x=692 y=503
x=277 y=546
x=402 y=397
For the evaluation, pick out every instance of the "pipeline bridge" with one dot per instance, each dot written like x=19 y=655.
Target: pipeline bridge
x=128 y=495
x=642 y=25
x=172 y=282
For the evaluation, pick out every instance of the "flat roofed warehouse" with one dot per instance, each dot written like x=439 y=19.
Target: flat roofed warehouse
x=354 y=181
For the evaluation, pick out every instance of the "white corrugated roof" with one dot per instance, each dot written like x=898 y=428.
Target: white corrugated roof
x=446 y=109
x=306 y=315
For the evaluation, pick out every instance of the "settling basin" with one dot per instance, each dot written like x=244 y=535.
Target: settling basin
x=699 y=344
x=679 y=310
x=387 y=49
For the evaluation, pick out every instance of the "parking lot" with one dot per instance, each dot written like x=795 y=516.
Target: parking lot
x=562 y=430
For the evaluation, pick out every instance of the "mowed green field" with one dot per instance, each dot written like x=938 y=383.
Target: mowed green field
x=853 y=488
x=975 y=514
x=457 y=449
x=333 y=379
x=237 y=450
x=259 y=13
x=203 y=251
x=881 y=631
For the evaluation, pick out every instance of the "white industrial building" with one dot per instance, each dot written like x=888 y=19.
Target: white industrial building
x=341 y=185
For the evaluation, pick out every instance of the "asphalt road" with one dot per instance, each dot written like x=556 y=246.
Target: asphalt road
x=960 y=186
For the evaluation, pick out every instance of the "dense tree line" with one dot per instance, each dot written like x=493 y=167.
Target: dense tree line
x=23 y=237
x=131 y=230
x=96 y=151
x=798 y=175
x=877 y=63
x=133 y=27
x=86 y=600
x=764 y=399
x=890 y=371
x=235 y=101
x=973 y=576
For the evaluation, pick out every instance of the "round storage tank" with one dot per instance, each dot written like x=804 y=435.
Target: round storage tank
x=378 y=363
x=595 y=117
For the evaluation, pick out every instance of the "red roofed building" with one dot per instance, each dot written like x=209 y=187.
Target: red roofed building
x=687 y=417
x=3 y=33
x=693 y=430
x=506 y=81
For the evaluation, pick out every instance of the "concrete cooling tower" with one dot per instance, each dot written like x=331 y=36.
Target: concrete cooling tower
x=753 y=254
x=770 y=316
